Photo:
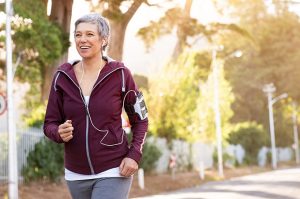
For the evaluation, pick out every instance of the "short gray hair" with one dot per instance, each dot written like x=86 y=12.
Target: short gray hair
x=101 y=22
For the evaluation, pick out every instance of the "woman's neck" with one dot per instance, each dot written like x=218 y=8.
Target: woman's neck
x=91 y=65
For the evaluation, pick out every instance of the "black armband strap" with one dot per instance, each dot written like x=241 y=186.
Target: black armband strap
x=138 y=108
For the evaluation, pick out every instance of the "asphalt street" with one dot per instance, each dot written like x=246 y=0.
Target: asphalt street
x=277 y=184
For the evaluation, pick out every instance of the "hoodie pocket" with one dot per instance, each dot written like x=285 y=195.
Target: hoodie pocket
x=112 y=137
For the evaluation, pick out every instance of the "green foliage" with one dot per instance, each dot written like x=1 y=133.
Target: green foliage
x=173 y=97
x=36 y=47
x=269 y=157
x=151 y=154
x=226 y=158
x=181 y=99
x=275 y=58
x=45 y=41
x=251 y=136
x=45 y=162
x=205 y=114
x=36 y=116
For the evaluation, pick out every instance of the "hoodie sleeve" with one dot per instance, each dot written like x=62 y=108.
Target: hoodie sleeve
x=54 y=112
x=138 y=127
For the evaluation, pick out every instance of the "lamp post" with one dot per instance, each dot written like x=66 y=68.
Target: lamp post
x=215 y=68
x=295 y=128
x=270 y=89
x=12 y=145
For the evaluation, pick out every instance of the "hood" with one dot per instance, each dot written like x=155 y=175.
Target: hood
x=110 y=66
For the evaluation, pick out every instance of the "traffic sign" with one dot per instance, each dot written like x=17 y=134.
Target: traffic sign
x=3 y=104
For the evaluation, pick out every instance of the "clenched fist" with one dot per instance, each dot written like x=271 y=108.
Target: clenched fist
x=65 y=131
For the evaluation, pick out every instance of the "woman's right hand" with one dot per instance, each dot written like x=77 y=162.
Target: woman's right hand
x=65 y=131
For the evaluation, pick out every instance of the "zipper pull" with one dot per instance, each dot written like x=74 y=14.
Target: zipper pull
x=86 y=109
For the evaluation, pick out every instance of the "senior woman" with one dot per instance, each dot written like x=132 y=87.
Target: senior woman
x=84 y=113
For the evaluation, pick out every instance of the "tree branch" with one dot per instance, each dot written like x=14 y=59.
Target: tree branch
x=132 y=10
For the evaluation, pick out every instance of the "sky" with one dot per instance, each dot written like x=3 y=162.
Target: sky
x=135 y=55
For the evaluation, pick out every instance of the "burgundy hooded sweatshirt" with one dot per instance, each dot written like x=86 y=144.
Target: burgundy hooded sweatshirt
x=99 y=143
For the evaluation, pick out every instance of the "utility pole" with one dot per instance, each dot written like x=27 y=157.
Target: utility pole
x=296 y=138
x=12 y=145
x=215 y=68
x=215 y=65
x=270 y=89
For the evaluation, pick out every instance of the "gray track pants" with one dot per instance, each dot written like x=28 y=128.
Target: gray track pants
x=102 y=188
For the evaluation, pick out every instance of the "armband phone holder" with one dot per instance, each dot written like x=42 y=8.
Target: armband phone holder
x=140 y=106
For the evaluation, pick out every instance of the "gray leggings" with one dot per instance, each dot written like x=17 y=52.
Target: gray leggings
x=101 y=188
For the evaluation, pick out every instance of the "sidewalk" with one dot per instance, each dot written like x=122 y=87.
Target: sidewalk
x=277 y=184
x=162 y=183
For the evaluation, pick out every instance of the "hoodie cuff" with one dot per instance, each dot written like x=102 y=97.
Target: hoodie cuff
x=135 y=155
x=56 y=135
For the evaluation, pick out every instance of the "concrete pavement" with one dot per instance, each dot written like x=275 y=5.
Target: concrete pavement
x=278 y=184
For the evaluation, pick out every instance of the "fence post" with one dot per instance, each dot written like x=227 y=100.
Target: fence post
x=141 y=180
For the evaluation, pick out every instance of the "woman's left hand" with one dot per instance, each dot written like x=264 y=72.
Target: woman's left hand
x=128 y=167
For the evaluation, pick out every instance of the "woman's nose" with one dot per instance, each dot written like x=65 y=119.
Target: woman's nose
x=83 y=39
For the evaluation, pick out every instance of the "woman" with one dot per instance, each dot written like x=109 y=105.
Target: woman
x=84 y=113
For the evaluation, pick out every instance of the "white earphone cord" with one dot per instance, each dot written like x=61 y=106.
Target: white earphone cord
x=88 y=112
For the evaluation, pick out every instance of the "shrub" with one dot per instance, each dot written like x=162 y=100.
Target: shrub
x=252 y=137
x=45 y=162
x=150 y=156
x=227 y=158
x=35 y=118
x=269 y=158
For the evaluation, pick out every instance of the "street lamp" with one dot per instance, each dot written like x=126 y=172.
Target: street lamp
x=217 y=110
x=215 y=66
x=12 y=145
x=295 y=128
x=269 y=89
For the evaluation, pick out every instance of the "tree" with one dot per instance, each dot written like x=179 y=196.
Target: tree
x=274 y=59
x=39 y=47
x=252 y=138
x=118 y=20
x=42 y=48
x=61 y=12
x=17 y=24
x=186 y=26
x=204 y=114
x=173 y=97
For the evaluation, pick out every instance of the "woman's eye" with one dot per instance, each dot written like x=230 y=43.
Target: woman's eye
x=77 y=35
x=90 y=34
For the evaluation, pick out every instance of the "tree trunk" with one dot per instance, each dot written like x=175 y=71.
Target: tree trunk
x=61 y=12
x=118 y=28
x=48 y=76
x=181 y=35
x=116 y=43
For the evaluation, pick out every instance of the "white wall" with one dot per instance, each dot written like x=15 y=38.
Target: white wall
x=199 y=152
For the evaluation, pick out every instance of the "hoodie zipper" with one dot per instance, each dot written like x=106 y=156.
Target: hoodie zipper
x=87 y=117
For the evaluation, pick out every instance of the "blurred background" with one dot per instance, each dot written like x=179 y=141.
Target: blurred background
x=220 y=78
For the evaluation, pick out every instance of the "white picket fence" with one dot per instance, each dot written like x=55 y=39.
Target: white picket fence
x=197 y=154
x=26 y=139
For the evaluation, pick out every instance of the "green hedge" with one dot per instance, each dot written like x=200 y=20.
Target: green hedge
x=45 y=162
x=151 y=154
x=252 y=137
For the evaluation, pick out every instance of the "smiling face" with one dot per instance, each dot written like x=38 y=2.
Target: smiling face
x=88 y=41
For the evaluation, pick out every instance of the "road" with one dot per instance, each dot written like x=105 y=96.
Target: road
x=278 y=184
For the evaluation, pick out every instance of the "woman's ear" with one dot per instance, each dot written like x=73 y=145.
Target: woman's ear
x=104 y=42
